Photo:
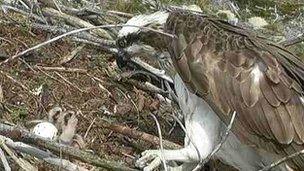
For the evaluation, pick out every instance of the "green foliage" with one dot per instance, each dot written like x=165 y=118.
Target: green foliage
x=19 y=113
x=136 y=6
x=261 y=7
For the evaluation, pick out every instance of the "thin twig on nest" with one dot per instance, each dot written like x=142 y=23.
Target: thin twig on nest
x=74 y=32
x=293 y=41
x=61 y=69
x=284 y=159
x=4 y=161
x=132 y=133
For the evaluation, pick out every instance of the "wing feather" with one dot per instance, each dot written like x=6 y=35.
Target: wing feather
x=262 y=82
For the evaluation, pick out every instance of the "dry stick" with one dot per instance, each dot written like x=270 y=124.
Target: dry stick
x=284 y=159
x=75 y=21
x=69 y=83
x=61 y=69
x=57 y=5
x=132 y=133
x=40 y=154
x=22 y=163
x=155 y=71
x=293 y=41
x=74 y=32
x=102 y=47
x=160 y=141
x=81 y=35
x=218 y=147
x=18 y=134
x=128 y=15
x=146 y=86
x=4 y=161
x=36 y=17
x=17 y=82
x=89 y=128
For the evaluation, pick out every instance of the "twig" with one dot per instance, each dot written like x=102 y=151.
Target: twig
x=57 y=5
x=36 y=17
x=104 y=48
x=282 y=160
x=218 y=147
x=17 y=82
x=155 y=71
x=4 y=161
x=122 y=14
x=22 y=163
x=160 y=142
x=89 y=128
x=67 y=58
x=69 y=83
x=75 y=21
x=40 y=154
x=146 y=86
x=80 y=35
x=293 y=41
x=27 y=137
x=74 y=32
x=132 y=133
x=61 y=69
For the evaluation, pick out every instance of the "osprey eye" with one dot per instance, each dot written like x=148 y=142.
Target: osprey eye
x=122 y=43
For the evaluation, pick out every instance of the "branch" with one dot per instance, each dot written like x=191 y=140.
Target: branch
x=18 y=134
x=74 y=32
x=61 y=69
x=282 y=160
x=135 y=134
x=4 y=161
x=293 y=41
x=75 y=21
x=40 y=154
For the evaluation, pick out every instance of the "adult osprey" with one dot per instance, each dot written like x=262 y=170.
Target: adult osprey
x=232 y=69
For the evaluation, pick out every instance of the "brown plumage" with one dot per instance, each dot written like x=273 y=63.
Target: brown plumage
x=234 y=70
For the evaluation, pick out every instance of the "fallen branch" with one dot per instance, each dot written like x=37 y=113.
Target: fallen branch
x=75 y=21
x=4 y=161
x=146 y=86
x=81 y=35
x=17 y=82
x=24 y=136
x=69 y=83
x=40 y=154
x=293 y=41
x=271 y=166
x=132 y=133
x=74 y=32
x=61 y=69
x=22 y=163
x=155 y=71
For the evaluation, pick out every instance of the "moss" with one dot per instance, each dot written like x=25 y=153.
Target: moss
x=19 y=113
x=292 y=7
x=136 y=6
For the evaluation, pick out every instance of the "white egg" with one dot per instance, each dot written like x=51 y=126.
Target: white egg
x=46 y=130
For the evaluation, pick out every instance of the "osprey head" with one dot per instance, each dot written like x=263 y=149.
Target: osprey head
x=134 y=33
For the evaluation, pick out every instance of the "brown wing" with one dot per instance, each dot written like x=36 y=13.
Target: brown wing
x=234 y=71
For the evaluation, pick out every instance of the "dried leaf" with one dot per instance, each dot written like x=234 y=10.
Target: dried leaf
x=1 y=95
